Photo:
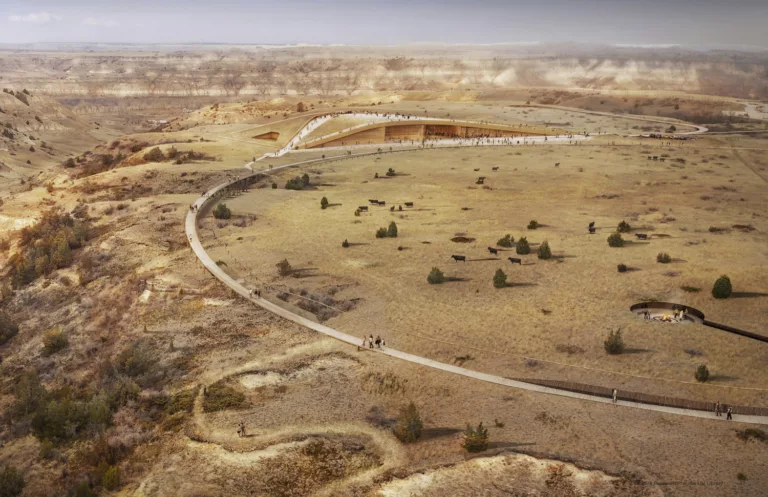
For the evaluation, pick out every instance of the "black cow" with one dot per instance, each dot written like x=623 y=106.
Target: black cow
x=515 y=260
x=392 y=209
x=493 y=250
x=409 y=204
x=495 y=168
x=592 y=229
x=381 y=202
x=363 y=208
x=457 y=258
x=592 y=224
x=557 y=164
x=642 y=236
x=373 y=201
x=477 y=169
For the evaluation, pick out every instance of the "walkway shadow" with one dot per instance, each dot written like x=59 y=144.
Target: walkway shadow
x=747 y=295
x=433 y=433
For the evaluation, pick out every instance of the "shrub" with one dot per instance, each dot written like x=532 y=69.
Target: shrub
x=345 y=243
x=533 y=224
x=475 y=439
x=624 y=227
x=690 y=289
x=135 y=360
x=499 y=279
x=222 y=212
x=69 y=163
x=701 y=374
x=614 y=344
x=435 y=277
x=274 y=185
x=83 y=489
x=220 y=396
x=622 y=268
x=522 y=246
x=741 y=476
x=381 y=233
x=284 y=268
x=722 y=288
x=54 y=341
x=544 y=252
x=11 y=482
x=392 y=230
x=391 y=172
x=323 y=203
x=663 y=258
x=615 y=240
x=294 y=184
x=409 y=425
x=300 y=107
x=305 y=179
x=46 y=450
x=154 y=155
x=507 y=241
x=111 y=479
x=8 y=329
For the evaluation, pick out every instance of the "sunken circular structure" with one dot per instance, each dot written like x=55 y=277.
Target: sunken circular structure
x=668 y=312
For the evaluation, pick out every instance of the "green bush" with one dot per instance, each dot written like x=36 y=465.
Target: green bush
x=622 y=268
x=722 y=288
x=8 y=329
x=46 y=450
x=663 y=258
x=305 y=179
x=507 y=241
x=294 y=184
x=154 y=155
x=111 y=479
x=274 y=185
x=135 y=360
x=222 y=212
x=221 y=396
x=544 y=252
x=614 y=344
x=475 y=439
x=69 y=163
x=390 y=172
x=615 y=240
x=409 y=424
x=284 y=268
x=522 y=246
x=11 y=482
x=701 y=374
x=83 y=489
x=499 y=279
x=54 y=341
x=392 y=230
x=533 y=224
x=624 y=227
x=345 y=243
x=66 y=419
x=435 y=277
x=323 y=203
x=381 y=233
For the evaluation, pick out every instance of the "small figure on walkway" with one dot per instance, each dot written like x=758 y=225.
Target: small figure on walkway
x=729 y=414
x=718 y=411
x=250 y=294
x=615 y=395
x=370 y=341
x=258 y=292
x=378 y=341
x=383 y=343
x=365 y=342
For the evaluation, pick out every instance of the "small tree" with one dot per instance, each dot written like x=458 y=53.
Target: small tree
x=54 y=341
x=305 y=179
x=381 y=233
x=544 y=252
x=475 y=439
x=615 y=240
x=300 y=107
x=222 y=212
x=392 y=230
x=323 y=203
x=435 y=277
x=69 y=163
x=506 y=241
x=499 y=279
x=624 y=227
x=663 y=258
x=154 y=155
x=345 y=243
x=622 y=268
x=614 y=344
x=284 y=268
x=391 y=172
x=522 y=246
x=409 y=424
x=11 y=482
x=111 y=479
x=701 y=374
x=533 y=224
x=274 y=185
x=722 y=288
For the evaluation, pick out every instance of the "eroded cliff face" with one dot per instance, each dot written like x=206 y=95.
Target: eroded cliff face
x=347 y=70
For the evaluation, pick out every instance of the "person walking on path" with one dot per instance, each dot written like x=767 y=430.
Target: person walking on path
x=729 y=414
x=370 y=341
x=717 y=409
x=365 y=342
x=615 y=395
x=378 y=341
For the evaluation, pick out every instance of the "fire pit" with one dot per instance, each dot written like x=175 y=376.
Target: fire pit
x=667 y=312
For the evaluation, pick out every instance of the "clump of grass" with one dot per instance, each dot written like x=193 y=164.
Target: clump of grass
x=690 y=289
x=221 y=397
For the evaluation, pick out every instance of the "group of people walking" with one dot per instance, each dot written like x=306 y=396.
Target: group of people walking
x=369 y=341
x=719 y=411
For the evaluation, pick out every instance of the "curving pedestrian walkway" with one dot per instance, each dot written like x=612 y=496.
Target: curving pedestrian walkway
x=194 y=241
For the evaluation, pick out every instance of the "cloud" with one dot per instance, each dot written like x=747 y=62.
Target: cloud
x=35 y=17
x=105 y=23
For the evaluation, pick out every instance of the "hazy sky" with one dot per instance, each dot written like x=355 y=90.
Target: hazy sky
x=689 y=22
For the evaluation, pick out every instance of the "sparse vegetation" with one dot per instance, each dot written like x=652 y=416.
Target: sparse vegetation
x=615 y=240
x=475 y=438
x=614 y=344
x=624 y=227
x=222 y=212
x=435 y=277
x=8 y=328
x=722 y=288
x=533 y=224
x=663 y=258
x=409 y=424
x=690 y=289
x=522 y=246
x=11 y=482
x=54 y=341
x=221 y=397
x=701 y=374
x=506 y=241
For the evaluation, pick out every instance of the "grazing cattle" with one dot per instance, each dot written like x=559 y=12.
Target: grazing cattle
x=392 y=209
x=363 y=208
x=381 y=202
x=592 y=224
x=495 y=168
x=515 y=260
x=493 y=250
x=592 y=229
x=457 y=258
x=557 y=164
x=373 y=201
x=642 y=236
x=477 y=169
x=409 y=204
